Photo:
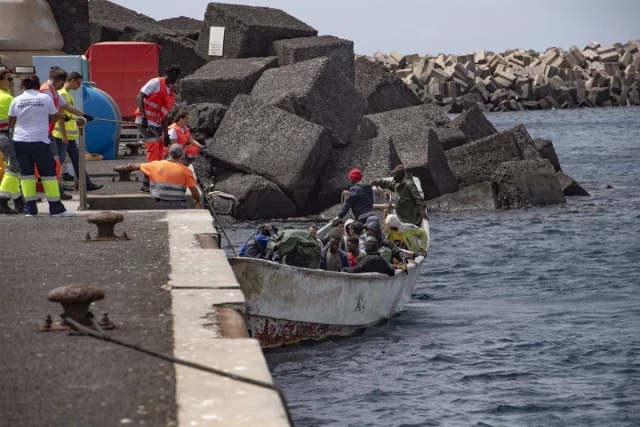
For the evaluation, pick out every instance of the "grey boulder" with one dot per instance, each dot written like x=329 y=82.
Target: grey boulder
x=258 y=138
x=526 y=183
x=317 y=91
x=569 y=185
x=219 y=82
x=291 y=51
x=524 y=141
x=206 y=118
x=473 y=124
x=409 y=120
x=474 y=162
x=548 y=152
x=480 y=196
x=256 y=197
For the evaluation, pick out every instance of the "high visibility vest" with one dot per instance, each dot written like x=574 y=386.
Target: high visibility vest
x=183 y=137
x=47 y=86
x=70 y=126
x=5 y=103
x=157 y=105
x=168 y=179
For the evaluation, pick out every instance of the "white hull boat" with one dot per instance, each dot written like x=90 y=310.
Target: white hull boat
x=286 y=305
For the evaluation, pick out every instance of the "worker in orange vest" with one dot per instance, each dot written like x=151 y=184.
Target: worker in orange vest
x=57 y=79
x=155 y=100
x=179 y=133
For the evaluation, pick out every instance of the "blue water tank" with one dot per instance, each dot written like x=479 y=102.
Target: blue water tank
x=100 y=137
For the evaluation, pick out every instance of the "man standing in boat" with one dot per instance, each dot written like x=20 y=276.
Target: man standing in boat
x=360 y=199
x=410 y=205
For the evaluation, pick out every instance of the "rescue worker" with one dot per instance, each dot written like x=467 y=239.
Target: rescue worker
x=155 y=100
x=10 y=186
x=256 y=246
x=57 y=79
x=372 y=262
x=65 y=132
x=332 y=258
x=410 y=205
x=169 y=180
x=360 y=198
x=179 y=133
x=30 y=115
x=404 y=235
x=297 y=248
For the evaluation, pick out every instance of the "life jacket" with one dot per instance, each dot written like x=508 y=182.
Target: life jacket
x=183 y=137
x=47 y=86
x=157 y=105
x=71 y=127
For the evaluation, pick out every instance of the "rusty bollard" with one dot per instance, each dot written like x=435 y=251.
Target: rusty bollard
x=75 y=300
x=134 y=147
x=106 y=222
x=124 y=172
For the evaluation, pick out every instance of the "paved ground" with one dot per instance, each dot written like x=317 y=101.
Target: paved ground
x=53 y=379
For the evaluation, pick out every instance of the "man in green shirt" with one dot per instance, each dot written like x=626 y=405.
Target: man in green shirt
x=410 y=205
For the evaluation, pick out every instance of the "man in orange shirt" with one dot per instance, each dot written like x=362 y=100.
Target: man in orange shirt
x=169 y=180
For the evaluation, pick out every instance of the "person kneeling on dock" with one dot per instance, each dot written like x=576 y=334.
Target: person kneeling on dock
x=372 y=262
x=169 y=180
x=332 y=258
x=256 y=246
x=297 y=248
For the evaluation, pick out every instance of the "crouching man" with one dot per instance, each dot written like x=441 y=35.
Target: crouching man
x=372 y=262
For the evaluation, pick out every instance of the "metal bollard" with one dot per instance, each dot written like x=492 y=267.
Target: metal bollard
x=81 y=122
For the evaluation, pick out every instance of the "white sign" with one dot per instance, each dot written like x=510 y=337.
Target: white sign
x=216 y=41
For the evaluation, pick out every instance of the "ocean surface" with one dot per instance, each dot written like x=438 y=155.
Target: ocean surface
x=520 y=318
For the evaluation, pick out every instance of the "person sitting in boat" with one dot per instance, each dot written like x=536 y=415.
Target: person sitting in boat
x=360 y=198
x=372 y=262
x=256 y=246
x=314 y=230
x=357 y=229
x=354 y=254
x=387 y=250
x=410 y=205
x=336 y=224
x=405 y=236
x=297 y=248
x=332 y=258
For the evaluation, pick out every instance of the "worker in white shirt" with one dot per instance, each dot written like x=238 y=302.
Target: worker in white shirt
x=155 y=100
x=30 y=115
x=179 y=133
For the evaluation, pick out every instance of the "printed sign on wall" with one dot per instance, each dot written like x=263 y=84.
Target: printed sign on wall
x=216 y=41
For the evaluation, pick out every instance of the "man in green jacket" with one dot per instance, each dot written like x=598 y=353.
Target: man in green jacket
x=297 y=248
x=410 y=205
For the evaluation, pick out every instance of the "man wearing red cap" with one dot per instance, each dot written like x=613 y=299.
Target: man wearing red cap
x=360 y=199
x=410 y=205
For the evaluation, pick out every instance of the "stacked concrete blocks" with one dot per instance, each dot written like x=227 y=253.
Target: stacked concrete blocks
x=520 y=184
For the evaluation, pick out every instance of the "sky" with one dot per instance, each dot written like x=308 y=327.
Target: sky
x=443 y=26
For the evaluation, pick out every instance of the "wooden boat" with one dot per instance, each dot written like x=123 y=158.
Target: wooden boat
x=286 y=305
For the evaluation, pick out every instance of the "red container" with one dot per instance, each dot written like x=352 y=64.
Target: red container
x=121 y=69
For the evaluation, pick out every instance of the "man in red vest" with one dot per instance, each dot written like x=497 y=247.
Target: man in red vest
x=57 y=79
x=155 y=100
x=179 y=133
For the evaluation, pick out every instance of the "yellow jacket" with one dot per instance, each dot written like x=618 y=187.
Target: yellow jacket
x=71 y=127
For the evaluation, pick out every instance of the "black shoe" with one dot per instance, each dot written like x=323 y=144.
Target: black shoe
x=145 y=189
x=94 y=187
x=19 y=204
x=65 y=196
x=5 y=209
x=66 y=187
x=67 y=177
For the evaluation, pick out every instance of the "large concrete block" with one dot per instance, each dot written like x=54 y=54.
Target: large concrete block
x=340 y=51
x=317 y=91
x=569 y=185
x=474 y=162
x=473 y=124
x=249 y=30
x=366 y=129
x=256 y=197
x=480 y=196
x=125 y=20
x=175 y=50
x=526 y=183
x=548 y=152
x=375 y=158
x=205 y=119
x=451 y=137
x=204 y=170
x=422 y=155
x=409 y=120
x=382 y=90
x=258 y=138
x=525 y=142
x=219 y=82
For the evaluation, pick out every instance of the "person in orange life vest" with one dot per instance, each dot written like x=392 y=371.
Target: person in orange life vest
x=169 y=180
x=179 y=133
x=155 y=100
x=57 y=79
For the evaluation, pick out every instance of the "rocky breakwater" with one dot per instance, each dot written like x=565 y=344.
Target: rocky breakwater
x=283 y=129
x=516 y=80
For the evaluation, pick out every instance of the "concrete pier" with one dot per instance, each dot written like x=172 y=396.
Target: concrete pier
x=165 y=290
